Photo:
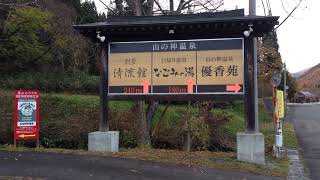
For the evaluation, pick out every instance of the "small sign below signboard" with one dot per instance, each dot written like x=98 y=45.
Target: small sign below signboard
x=26 y=116
x=211 y=66
x=280 y=104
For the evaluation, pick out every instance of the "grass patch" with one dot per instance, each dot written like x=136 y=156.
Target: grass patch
x=289 y=136
x=217 y=160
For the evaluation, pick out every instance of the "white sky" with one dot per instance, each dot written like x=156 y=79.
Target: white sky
x=297 y=36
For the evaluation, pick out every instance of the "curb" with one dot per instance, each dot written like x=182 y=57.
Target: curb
x=303 y=104
x=297 y=170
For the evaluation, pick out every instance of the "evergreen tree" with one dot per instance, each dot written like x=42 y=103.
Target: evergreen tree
x=269 y=57
x=269 y=62
x=291 y=83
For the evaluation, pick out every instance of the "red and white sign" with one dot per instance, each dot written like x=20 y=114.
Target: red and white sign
x=26 y=115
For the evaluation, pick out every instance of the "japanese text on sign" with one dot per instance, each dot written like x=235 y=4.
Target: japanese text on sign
x=190 y=66
x=26 y=119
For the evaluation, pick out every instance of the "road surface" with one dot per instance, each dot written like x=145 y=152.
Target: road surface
x=15 y=165
x=306 y=118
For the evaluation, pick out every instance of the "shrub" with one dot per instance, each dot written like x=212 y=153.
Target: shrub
x=203 y=125
x=199 y=131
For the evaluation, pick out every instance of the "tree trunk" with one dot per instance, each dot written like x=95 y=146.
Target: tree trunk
x=187 y=139
x=152 y=108
x=119 y=7
x=187 y=142
x=149 y=10
x=136 y=7
x=142 y=129
x=171 y=7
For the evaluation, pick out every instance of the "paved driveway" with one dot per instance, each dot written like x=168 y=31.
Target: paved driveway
x=15 y=165
x=306 y=118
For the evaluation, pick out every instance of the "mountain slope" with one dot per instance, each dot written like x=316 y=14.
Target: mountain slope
x=300 y=73
x=310 y=80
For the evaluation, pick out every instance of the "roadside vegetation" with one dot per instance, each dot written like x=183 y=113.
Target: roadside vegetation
x=67 y=119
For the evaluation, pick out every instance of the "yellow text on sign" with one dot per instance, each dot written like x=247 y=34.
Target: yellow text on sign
x=280 y=104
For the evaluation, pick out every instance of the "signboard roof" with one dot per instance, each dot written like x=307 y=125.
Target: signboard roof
x=216 y=25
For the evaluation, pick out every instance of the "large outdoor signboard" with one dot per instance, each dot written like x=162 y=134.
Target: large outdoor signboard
x=210 y=66
x=26 y=116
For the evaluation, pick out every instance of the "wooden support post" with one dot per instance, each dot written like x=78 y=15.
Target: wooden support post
x=249 y=85
x=37 y=143
x=104 y=52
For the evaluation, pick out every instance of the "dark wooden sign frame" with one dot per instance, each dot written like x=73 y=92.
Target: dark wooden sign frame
x=228 y=24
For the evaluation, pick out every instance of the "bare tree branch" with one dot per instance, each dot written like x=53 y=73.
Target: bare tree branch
x=283 y=4
x=289 y=15
x=269 y=7
x=264 y=7
x=183 y=6
x=108 y=7
x=180 y=6
x=159 y=6
x=203 y=5
x=186 y=4
x=283 y=7
x=103 y=3
x=216 y=7
x=200 y=5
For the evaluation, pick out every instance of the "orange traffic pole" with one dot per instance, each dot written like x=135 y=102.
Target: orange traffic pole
x=274 y=107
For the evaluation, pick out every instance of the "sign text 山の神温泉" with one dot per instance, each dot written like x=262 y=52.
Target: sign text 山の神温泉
x=213 y=66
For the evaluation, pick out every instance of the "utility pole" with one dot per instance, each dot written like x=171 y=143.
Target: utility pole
x=252 y=12
x=250 y=144
x=285 y=89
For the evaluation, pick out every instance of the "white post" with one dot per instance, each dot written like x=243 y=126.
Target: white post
x=285 y=90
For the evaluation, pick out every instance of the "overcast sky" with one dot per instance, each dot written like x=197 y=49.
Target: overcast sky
x=297 y=36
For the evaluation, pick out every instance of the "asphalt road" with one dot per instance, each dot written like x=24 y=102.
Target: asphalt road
x=306 y=119
x=19 y=165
